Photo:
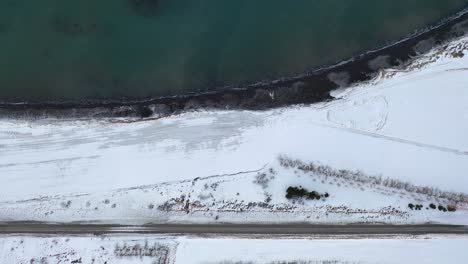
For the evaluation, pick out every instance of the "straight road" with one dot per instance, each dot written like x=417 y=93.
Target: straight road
x=228 y=229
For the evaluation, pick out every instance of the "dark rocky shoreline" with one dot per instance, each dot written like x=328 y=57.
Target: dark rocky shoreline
x=311 y=87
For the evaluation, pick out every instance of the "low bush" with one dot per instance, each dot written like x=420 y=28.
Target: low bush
x=451 y=208
x=317 y=169
x=418 y=207
x=295 y=192
x=299 y=192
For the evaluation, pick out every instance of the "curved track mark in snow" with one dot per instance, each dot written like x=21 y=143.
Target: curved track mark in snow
x=369 y=114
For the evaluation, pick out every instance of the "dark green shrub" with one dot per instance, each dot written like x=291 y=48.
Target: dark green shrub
x=432 y=206
x=411 y=206
x=313 y=195
x=299 y=192
x=295 y=192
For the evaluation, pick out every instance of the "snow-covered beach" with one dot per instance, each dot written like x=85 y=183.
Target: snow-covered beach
x=407 y=125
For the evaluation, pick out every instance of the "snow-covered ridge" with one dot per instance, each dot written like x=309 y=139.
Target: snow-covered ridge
x=407 y=125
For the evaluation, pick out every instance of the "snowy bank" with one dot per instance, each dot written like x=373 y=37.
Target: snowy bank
x=167 y=250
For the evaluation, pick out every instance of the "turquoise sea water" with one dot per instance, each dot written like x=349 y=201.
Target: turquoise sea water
x=70 y=49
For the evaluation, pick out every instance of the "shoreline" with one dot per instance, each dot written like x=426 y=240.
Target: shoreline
x=306 y=88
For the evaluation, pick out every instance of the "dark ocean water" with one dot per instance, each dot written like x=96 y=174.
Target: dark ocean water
x=57 y=49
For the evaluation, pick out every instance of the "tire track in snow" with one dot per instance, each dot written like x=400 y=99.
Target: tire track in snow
x=395 y=139
x=139 y=187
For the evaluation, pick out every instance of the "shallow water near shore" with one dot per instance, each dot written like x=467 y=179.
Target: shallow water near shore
x=57 y=50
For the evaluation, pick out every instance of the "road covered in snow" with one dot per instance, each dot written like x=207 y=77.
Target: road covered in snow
x=246 y=229
x=379 y=146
